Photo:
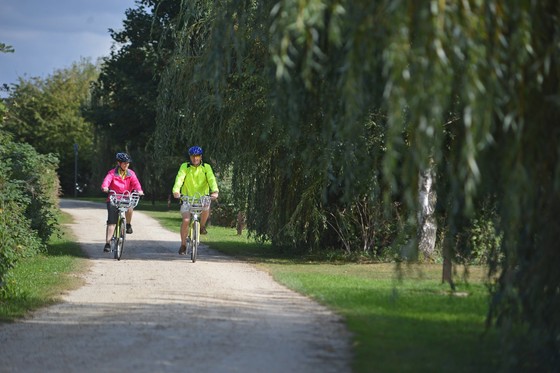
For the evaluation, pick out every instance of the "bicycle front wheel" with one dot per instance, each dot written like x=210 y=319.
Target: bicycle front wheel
x=194 y=240
x=120 y=239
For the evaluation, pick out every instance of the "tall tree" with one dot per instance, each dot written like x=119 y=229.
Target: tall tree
x=124 y=97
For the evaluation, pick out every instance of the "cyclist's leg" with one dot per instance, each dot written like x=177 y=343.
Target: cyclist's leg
x=128 y=215
x=185 y=229
x=203 y=219
x=109 y=232
x=112 y=215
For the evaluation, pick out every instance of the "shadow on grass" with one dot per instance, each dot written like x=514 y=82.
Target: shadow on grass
x=65 y=248
x=401 y=343
x=255 y=252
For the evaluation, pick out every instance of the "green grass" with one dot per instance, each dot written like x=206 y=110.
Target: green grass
x=41 y=280
x=409 y=325
x=403 y=319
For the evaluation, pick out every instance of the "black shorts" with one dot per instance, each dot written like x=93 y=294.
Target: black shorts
x=112 y=214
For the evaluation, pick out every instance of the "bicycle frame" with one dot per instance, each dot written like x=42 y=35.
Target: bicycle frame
x=123 y=202
x=194 y=205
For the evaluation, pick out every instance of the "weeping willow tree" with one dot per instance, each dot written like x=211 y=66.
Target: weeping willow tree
x=224 y=93
x=313 y=104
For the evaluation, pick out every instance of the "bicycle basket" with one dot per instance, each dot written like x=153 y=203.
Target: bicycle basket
x=196 y=204
x=124 y=200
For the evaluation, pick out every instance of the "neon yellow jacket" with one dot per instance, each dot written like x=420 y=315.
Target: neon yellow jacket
x=195 y=181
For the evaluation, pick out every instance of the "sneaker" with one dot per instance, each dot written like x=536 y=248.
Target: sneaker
x=183 y=250
x=107 y=248
x=203 y=230
x=128 y=229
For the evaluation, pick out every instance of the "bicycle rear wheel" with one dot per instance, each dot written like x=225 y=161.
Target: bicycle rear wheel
x=120 y=239
x=194 y=240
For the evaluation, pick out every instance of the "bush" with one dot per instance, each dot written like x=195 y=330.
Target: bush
x=28 y=201
x=15 y=238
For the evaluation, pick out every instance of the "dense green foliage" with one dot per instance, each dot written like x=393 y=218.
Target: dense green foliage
x=314 y=105
x=28 y=202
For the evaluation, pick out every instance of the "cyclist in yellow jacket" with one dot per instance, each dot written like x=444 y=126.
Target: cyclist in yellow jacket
x=195 y=178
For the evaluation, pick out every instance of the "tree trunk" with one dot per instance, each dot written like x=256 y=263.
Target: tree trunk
x=240 y=223
x=427 y=225
x=447 y=272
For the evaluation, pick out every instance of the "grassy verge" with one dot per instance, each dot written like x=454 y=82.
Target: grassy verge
x=412 y=324
x=39 y=281
x=402 y=318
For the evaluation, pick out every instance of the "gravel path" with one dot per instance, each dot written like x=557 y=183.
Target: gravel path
x=156 y=311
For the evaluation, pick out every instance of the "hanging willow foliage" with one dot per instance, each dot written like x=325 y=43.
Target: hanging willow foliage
x=284 y=93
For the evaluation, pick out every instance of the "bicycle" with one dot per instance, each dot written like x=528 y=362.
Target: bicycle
x=122 y=202
x=194 y=205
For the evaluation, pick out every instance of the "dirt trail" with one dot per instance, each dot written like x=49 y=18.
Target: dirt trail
x=156 y=311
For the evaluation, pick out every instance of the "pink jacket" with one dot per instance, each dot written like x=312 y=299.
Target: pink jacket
x=115 y=182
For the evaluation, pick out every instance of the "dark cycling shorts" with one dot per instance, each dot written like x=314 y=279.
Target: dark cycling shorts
x=112 y=214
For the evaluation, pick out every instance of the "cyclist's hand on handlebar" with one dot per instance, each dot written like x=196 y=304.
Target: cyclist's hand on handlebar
x=106 y=190
x=214 y=195
x=177 y=195
x=139 y=192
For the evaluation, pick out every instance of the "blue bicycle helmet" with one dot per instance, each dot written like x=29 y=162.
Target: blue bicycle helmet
x=195 y=150
x=123 y=157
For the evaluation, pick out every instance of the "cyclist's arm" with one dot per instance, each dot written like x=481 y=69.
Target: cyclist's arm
x=107 y=181
x=179 y=179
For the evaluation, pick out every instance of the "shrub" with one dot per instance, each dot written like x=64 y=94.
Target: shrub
x=17 y=239
x=28 y=201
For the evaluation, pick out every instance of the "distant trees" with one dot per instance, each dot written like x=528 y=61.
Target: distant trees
x=47 y=114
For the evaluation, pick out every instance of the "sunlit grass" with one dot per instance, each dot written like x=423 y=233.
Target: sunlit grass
x=413 y=324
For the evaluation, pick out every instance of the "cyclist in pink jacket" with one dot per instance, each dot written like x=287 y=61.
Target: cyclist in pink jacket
x=119 y=179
